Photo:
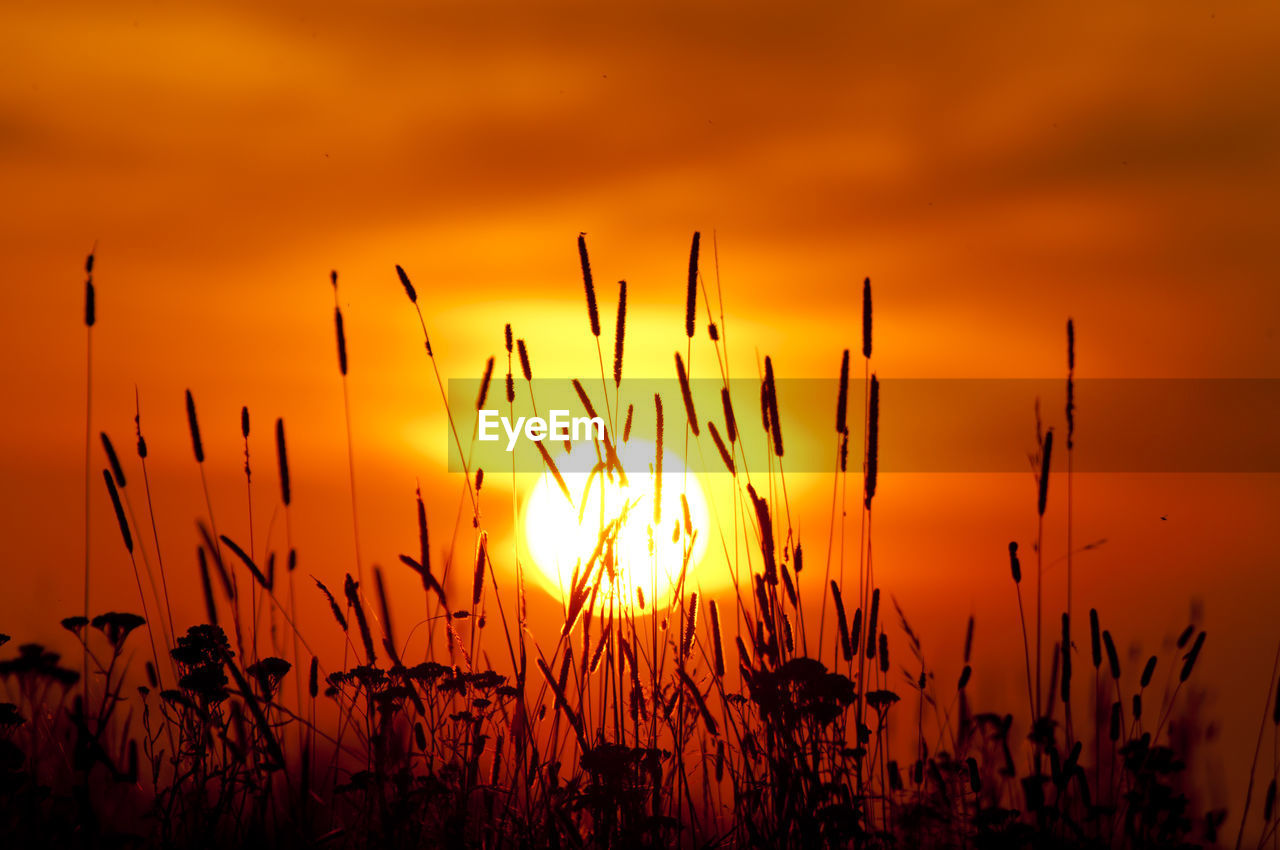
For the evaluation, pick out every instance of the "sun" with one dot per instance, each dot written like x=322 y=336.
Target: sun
x=646 y=560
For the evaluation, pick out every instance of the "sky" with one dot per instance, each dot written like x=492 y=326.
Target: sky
x=993 y=167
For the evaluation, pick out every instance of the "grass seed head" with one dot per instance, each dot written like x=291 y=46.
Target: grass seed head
x=117 y=471
x=588 y=285
x=484 y=383
x=691 y=291
x=524 y=360
x=842 y=398
x=873 y=442
x=687 y=395
x=619 y=334
x=408 y=287
x=866 y=318
x=193 y=424
x=282 y=462
x=119 y=509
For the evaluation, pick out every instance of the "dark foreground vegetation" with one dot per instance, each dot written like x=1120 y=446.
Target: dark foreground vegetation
x=647 y=723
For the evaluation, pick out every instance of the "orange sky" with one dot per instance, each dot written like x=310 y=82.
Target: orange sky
x=993 y=167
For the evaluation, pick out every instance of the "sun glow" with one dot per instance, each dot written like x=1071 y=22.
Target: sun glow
x=631 y=553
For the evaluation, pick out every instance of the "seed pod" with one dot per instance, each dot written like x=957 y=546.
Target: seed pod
x=691 y=292
x=477 y=583
x=871 y=623
x=137 y=424
x=357 y=606
x=193 y=425
x=1095 y=640
x=687 y=395
x=619 y=333
x=775 y=423
x=718 y=638
x=1046 y=455
x=524 y=360
x=408 y=287
x=866 y=318
x=1148 y=671
x=1112 y=658
x=657 y=462
x=842 y=623
x=588 y=285
x=691 y=623
x=342 y=340
x=282 y=459
x=1191 y=657
x=90 y=298
x=873 y=441
x=725 y=456
x=484 y=383
x=115 y=503
x=730 y=422
x=117 y=471
x=842 y=398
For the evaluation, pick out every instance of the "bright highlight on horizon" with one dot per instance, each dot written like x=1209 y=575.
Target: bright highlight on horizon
x=558 y=541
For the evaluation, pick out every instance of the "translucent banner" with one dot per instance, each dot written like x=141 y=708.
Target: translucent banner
x=924 y=425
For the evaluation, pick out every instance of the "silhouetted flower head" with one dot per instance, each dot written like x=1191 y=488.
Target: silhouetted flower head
x=202 y=644
x=200 y=654
x=34 y=661
x=116 y=626
x=268 y=672
x=428 y=671
x=802 y=689
x=75 y=625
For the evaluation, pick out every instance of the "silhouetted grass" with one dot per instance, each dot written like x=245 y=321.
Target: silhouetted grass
x=641 y=727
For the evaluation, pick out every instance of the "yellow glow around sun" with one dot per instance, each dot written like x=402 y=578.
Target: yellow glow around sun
x=558 y=540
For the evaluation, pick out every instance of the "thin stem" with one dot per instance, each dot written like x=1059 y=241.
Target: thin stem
x=88 y=459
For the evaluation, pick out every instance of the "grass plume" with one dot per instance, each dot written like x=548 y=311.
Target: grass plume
x=691 y=291
x=619 y=333
x=589 y=285
x=866 y=318
x=687 y=395
x=873 y=442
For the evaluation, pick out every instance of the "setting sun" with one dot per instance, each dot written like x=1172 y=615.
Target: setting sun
x=561 y=536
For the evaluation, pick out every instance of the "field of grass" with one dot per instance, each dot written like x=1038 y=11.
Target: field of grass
x=648 y=723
